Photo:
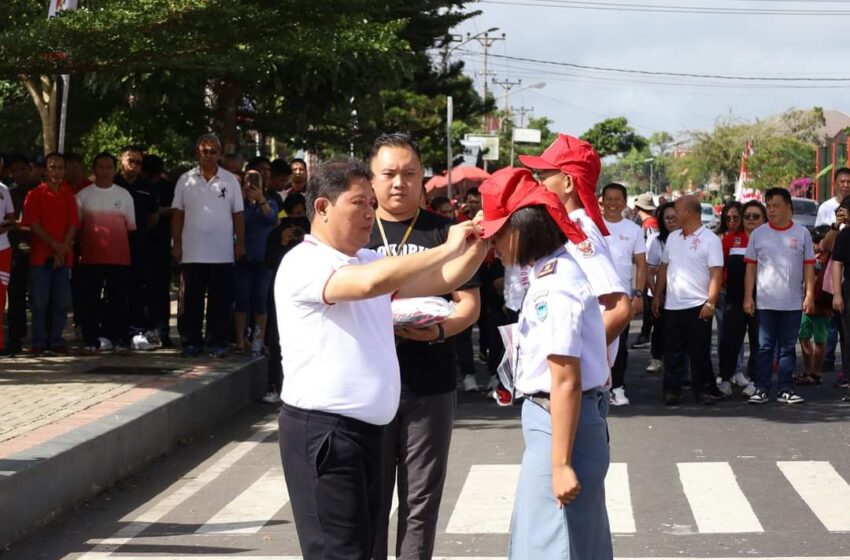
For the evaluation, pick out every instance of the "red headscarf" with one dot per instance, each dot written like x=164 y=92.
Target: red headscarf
x=510 y=189
x=580 y=161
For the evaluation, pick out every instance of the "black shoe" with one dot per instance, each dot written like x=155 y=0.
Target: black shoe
x=846 y=397
x=710 y=395
x=672 y=399
x=641 y=342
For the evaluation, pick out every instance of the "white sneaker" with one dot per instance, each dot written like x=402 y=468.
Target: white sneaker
x=655 y=365
x=749 y=390
x=725 y=388
x=105 y=344
x=271 y=397
x=493 y=384
x=153 y=338
x=741 y=380
x=140 y=342
x=470 y=385
x=618 y=397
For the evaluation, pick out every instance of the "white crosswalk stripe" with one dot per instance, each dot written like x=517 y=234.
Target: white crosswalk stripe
x=251 y=509
x=618 y=498
x=716 y=500
x=486 y=501
x=823 y=490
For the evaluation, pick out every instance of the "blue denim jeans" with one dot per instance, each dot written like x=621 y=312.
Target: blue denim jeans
x=778 y=332
x=50 y=297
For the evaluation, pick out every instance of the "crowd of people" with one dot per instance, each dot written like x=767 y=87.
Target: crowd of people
x=565 y=272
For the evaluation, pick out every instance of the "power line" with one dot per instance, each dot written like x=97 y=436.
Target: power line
x=672 y=74
x=661 y=8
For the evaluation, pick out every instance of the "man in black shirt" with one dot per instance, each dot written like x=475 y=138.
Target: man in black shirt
x=417 y=440
x=147 y=215
x=20 y=184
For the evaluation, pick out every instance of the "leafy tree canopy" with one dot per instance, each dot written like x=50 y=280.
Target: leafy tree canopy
x=613 y=137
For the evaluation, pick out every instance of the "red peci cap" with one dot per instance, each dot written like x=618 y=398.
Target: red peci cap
x=580 y=161
x=510 y=189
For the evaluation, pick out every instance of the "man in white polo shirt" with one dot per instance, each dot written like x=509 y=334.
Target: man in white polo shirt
x=628 y=252
x=342 y=382
x=208 y=236
x=780 y=261
x=688 y=285
x=826 y=211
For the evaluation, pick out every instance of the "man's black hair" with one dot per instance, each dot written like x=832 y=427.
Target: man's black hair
x=539 y=235
x=293 y=200
x=841 y=171
x=153 y=165
x=395 y=140
x=819 y=232
x=52 y=155
x=104 y=155
x=473 y=191
x=616 y=187
x=280 y=168
x=16 y=158
x=255 y=162
x=297 y=160
x=71 y=156
x=333 y=178
x=779 y=191
x=438 y=201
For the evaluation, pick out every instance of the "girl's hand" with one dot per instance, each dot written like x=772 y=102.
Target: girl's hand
x=565 y=484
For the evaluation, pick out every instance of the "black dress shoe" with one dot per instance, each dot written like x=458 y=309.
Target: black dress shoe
x=672 y=399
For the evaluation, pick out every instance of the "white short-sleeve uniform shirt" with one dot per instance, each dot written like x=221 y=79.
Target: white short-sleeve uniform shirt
x=826 y=212
x=689 y=259
x=208 y=222
x=6 y=207
x=780 y=255
x=560 y=317
x=338 y=358
x=626 y=241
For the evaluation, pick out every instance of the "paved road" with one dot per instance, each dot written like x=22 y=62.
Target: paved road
x=725 y=481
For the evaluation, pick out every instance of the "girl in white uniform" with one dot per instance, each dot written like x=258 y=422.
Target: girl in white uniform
x=561 y=369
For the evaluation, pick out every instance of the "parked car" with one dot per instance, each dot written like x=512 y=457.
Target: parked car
x=709 y=220
x=805 y=211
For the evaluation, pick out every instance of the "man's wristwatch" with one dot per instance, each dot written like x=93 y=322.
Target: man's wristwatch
x=709 y=305
x=441 y=336
x=638 y=293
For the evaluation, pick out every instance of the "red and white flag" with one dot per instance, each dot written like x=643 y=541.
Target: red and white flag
x=56 y=6
x=743 y=193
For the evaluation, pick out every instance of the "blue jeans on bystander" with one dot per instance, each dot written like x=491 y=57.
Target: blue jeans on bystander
x=50 y=297
x=777 y=330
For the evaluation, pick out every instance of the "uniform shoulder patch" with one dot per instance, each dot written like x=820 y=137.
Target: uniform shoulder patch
x=548 y=268
x=586 y=248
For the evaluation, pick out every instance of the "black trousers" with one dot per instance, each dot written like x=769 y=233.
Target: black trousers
x=736 y=324
x=656 y=349
x=687 y=336
x=159 y=291
x=17 y=296
x=648 y=319
x=272 y=334
x=463 y=351
x=140 y=275
x=618 y=371
x=213 y=282
x=105 y=306
x=332 y=467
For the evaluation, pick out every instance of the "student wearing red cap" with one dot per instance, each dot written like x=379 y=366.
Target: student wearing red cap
x=570 y=167
x=559 y=511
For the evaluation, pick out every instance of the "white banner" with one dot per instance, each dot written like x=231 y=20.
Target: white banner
x=56 y=6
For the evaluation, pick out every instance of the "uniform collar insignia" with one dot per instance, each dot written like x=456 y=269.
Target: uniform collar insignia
x=548 y=268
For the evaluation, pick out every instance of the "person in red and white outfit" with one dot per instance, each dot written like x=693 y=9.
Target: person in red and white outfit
x=7 y=221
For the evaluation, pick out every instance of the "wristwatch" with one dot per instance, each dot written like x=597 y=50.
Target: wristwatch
x=709 y=305
x=638 y=293
x=441 y=335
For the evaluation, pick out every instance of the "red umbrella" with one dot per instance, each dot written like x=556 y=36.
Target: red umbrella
x=435 y=182
x=459 y=174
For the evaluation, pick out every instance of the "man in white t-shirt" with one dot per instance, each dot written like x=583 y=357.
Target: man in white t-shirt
x=628 y=251
x=688 y=285
x=342 y=381
x=208 y=236
x=7 y=221
x=826 y=211
x=107 y=216
x=780 y=265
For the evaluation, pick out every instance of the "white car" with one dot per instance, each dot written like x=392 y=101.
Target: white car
x=709 y=220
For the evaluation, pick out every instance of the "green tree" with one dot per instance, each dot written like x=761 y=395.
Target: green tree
x=613 y=137
x=779 y=160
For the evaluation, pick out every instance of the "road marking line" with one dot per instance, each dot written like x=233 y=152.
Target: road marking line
x=251 y=509
x=486 y=501
x=716 y=500
x=178 y=493
x=618 y=499
x=232 y=557
x=824 y=490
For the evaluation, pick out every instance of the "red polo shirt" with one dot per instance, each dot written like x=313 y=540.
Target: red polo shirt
x=55 y=212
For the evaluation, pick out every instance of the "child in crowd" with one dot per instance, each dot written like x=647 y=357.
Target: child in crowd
x=814 y=327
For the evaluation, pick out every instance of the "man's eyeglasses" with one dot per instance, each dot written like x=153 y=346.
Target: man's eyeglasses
x=752 y=216
x=208 y=151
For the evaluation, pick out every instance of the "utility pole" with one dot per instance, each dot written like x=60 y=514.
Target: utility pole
x=523 y=111
x=507 y=86
x=486 y=41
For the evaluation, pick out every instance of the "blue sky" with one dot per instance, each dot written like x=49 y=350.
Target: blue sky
x=748 y=45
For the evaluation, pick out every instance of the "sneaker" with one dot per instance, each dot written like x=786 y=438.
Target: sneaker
x=141 y=342
x=191 y=352
x=493 y=384
x=846 y=397
x=502 y=397
x=711 y=394
x=749 y=390
x=618 y=397
x=759 y=397
x=153 y=338
x=272 y=397
x=790 y=397
x=641 y=342
x=218 y=352
x=726 y=388
x=470 y=385
x=741 y=380
x=655 y=365
x=105 y=344
x=841 y=381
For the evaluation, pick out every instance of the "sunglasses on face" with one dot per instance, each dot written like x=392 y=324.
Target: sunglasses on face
x=752 y=216
x=208 y=151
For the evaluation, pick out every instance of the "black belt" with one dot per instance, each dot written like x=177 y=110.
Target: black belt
x=542 y=399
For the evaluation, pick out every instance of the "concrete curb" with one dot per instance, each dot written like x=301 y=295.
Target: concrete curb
x=41 y=483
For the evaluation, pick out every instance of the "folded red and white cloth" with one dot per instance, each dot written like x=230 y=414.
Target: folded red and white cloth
x=421 y=312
